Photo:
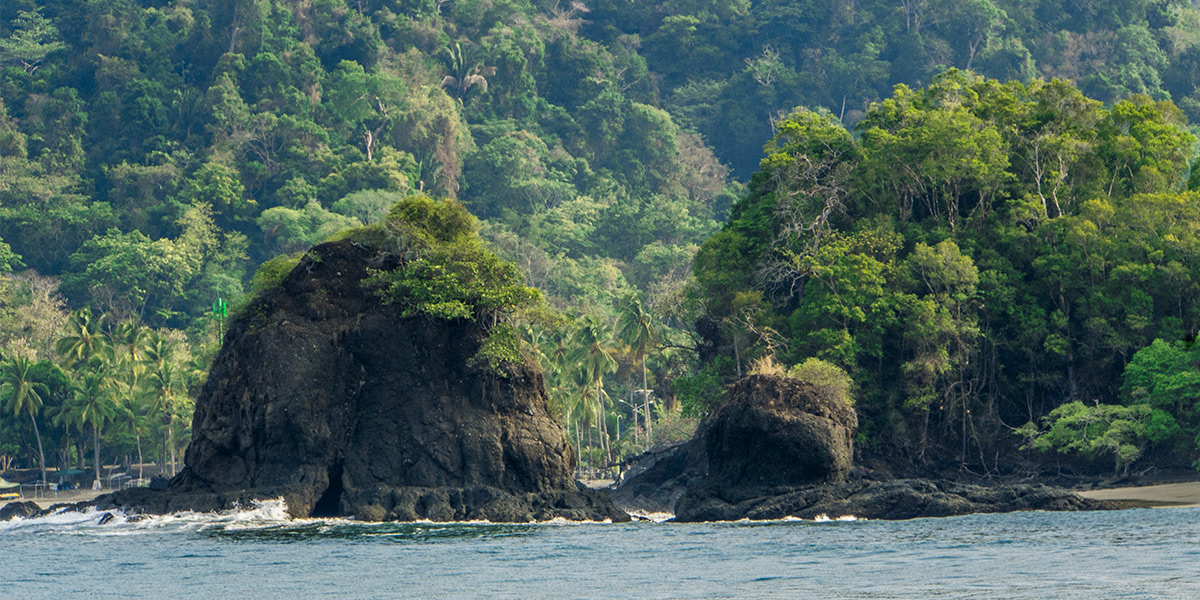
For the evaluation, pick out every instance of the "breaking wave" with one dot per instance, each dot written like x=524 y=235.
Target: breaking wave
x=115 y=522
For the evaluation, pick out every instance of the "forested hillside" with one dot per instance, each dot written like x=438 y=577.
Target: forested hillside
x=958 y=244
x=987 y=260
x=729 y=69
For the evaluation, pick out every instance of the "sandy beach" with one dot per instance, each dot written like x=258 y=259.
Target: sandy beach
x=68 y=497
x=1152 y=496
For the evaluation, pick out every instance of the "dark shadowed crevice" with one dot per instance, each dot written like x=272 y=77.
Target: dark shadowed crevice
x=329 y=504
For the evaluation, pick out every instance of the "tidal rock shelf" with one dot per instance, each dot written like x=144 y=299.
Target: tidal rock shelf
x=326 y=397
x=776 y=449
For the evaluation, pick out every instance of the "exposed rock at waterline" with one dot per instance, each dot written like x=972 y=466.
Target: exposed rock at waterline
x=13 y=510
x=895 y=499
x=774 y=432
x=655 y=481
x=325 y=397
x=775 y=450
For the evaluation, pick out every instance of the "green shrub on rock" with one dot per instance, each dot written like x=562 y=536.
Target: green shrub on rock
x=830 y=381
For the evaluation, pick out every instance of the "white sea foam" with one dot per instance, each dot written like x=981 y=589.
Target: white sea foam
x=824 y=518
x=657 y=517
x=116 y=522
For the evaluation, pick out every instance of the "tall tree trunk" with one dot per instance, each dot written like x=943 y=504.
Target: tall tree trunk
x=96 y=448
x=41 y=453
x=646 y=400
x=604 y=445
x=171 y=441
x=633 y=405
x=141 y=461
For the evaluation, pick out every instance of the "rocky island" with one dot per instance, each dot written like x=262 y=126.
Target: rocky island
x=347 y=401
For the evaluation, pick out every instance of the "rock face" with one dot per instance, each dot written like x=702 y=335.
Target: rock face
x=13 y=510
x=334 y=401
x=776 y=450
x=777 y=432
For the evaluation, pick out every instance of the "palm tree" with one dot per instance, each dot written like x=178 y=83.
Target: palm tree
x=592 y=352
x=463 y=64
x=166 y=383
x=92 y=405
x=24 y=393
x=127 y=342
x=130 y=339
x=635 y=327
x=82 y=337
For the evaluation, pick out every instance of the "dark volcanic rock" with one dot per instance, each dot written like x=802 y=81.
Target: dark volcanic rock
x=326 y=397
x=775 y=450
x=895 y=499
x=773 y=433
x=776 y=432
x=13 y=510
x=657 y=480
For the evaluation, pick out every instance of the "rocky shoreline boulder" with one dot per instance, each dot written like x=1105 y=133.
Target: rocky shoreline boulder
x=776 y=449
x=19 y=509
x=347 y=406
x=777 y=432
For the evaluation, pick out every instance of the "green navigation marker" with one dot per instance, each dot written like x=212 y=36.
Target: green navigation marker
x=220 y=311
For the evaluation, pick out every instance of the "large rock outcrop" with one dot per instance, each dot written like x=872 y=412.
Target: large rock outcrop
x=324 y=396
x=776 y=450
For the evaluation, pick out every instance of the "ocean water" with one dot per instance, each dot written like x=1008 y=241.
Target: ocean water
x=258 y=553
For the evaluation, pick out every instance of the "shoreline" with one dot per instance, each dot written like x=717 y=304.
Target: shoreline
x=1163 y=495
x=67 y=497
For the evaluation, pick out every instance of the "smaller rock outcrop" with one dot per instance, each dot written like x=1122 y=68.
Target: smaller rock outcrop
x=13 y=510
x=777 y=433
x=777 y=450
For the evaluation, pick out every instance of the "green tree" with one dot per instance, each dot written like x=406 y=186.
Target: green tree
x=463 y=67
x=289 y=230
x=636 y=328
x=1092 y=431
x=92 y=405
x=33 y=38
x=166 y=388
x=592 y=351
x=831 y=383
x=83 y=337
x=24 y=394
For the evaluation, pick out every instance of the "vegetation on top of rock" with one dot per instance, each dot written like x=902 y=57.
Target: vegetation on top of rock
x=444 y=269
x=272 y=272
x=831 y=383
